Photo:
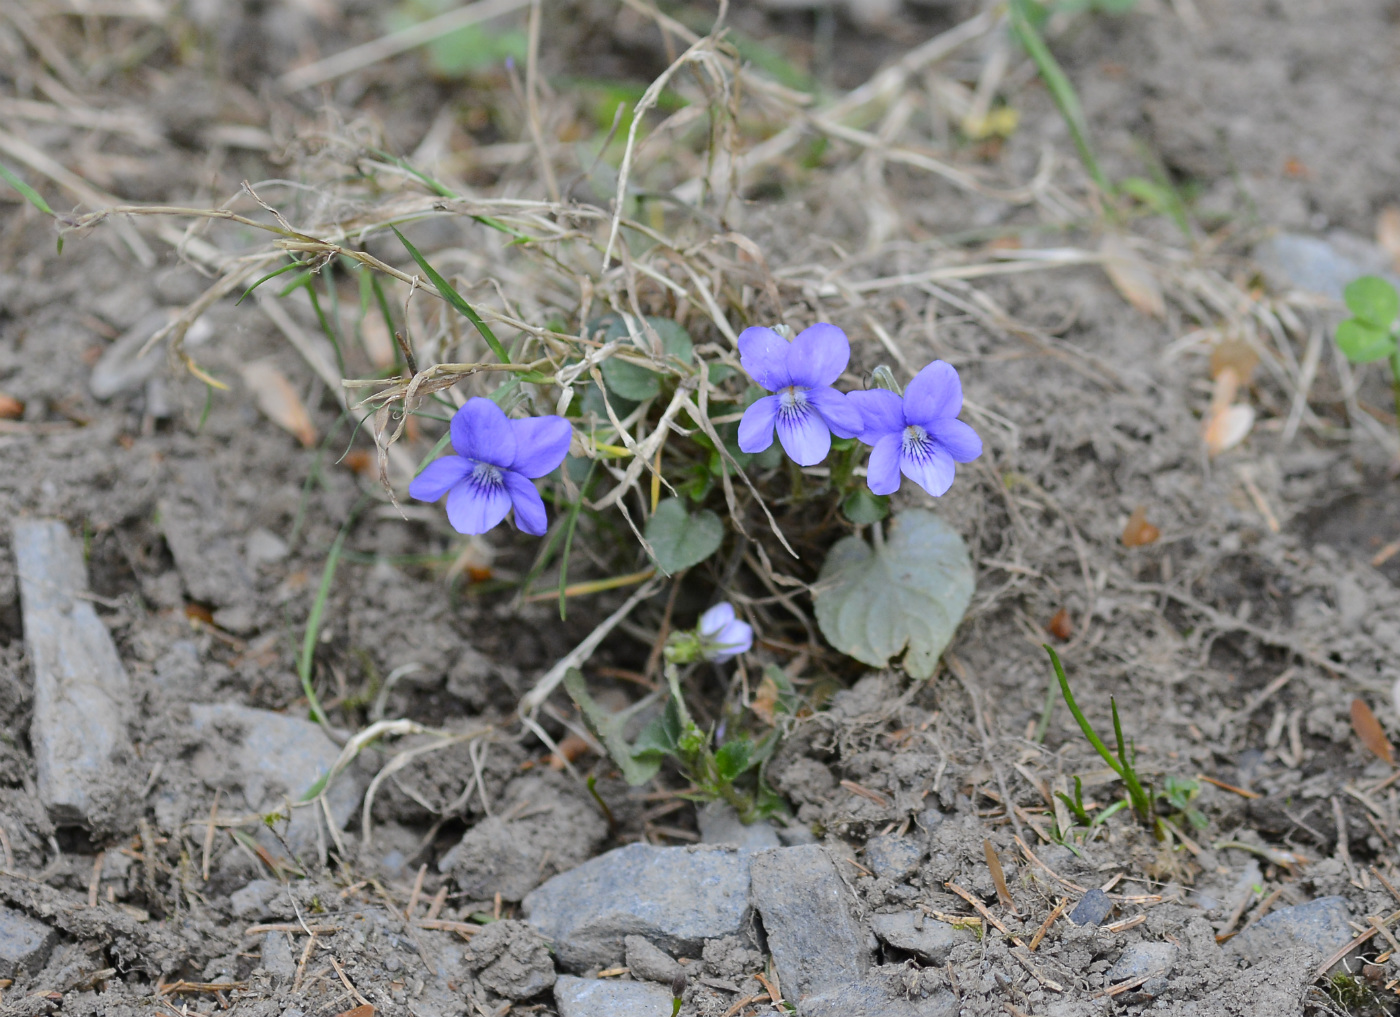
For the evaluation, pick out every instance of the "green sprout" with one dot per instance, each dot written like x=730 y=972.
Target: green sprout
x=1371 y=332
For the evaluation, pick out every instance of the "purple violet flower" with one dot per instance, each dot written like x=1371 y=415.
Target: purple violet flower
x=804 y=408
x=722 y=635
x=919 y=435
x=496 y=459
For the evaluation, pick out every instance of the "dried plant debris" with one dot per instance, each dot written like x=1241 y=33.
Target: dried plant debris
x=787 y=375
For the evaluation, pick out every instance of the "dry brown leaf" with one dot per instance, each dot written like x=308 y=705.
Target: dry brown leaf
x=1388 y=232
x=571 y=747
x=765 y=701
x=378 y=343
x=1132 y=276
x=363 y=1010
x=1060 y=626
x=1139 y=531
x=10 y=407
x=1368 y=729
x=279 y=401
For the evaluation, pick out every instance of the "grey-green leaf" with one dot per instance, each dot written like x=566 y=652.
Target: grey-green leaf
x=610 y=728
x=910 y=593
x=633 y=381
x=1361 y=342
x=1373 y=300
x=681 y=539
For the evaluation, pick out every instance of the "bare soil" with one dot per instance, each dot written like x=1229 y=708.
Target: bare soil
x=1271 y=114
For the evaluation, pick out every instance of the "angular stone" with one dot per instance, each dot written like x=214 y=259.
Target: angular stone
x=892 y=856
x=277 y=959
x=25 y=944
x=1319 y=925
x=916 y=932
x=511 y=959
x=1092 y=908
x=649 y=963
x=556 y=829
x=1140 y=960
x=675 y=897
x=872 y=998
x=209 y=560
x=814 y=938
x=279 y=757
x=607 y=997
x=720 y=824
x=82 y=694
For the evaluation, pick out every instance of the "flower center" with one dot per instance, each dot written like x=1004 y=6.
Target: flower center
x=916 y=442
x=792 y=401
x=485 y=475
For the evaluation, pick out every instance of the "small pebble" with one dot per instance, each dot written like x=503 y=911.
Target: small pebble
x=1092 y=908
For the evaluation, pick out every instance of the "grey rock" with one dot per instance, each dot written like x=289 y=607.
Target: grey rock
x=649 y=963
x=1092 y=908
x=892 y=856
x=278 y=757
x=720 y=824
x=206 y=554
x=82 y=694
x=277 y=959
x=1321 y=266
x=120 y=369
x=916 y=932
x=263 y=547
x=25 y=944
x=606 y=997
x=871 y=998
x=675 y=897
x=1154 y=986
x=511 y=959
x=1143 y=959
x=1319 y=925
x=557 y=830
x=814 y=938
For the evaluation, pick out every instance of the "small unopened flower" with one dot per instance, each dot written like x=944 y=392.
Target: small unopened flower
x=804 y=409
x=717 y=637
x=496 y=459
x=722 y=635
x=918 y=435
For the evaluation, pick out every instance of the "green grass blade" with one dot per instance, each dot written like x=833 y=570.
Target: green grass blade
x=1061 y=91
x=455 y=299
x=569 y=528
x=271 y=275
x=1084 y=724
x=30 y=194
x=313 y=625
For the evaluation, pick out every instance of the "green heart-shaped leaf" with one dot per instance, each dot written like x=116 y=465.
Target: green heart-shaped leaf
x=1361 y=342
x=1373 y=300
x=911 y=592
x=681 y=539
x=633 y=381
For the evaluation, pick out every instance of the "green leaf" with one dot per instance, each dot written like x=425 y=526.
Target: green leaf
x=1373 y=301
x=30 y=194
x=680 y=539
x=610 y=729
x=863 y=508
x=911 y=592
x=633 y=381
x=733 y=758
x=1362 y=342
x=455 y=299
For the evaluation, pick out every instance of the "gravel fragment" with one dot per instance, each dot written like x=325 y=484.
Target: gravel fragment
x=277 y=959
x=1319 y=925
x=1092 y=908
x=720 y=824
x=816 y=942
x=675 y=897
x=1143 y=959
x=650 y=963
x=82 y=694
x=916 y=932
x=600 y=997
x=25 y=944
x=892 y=856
